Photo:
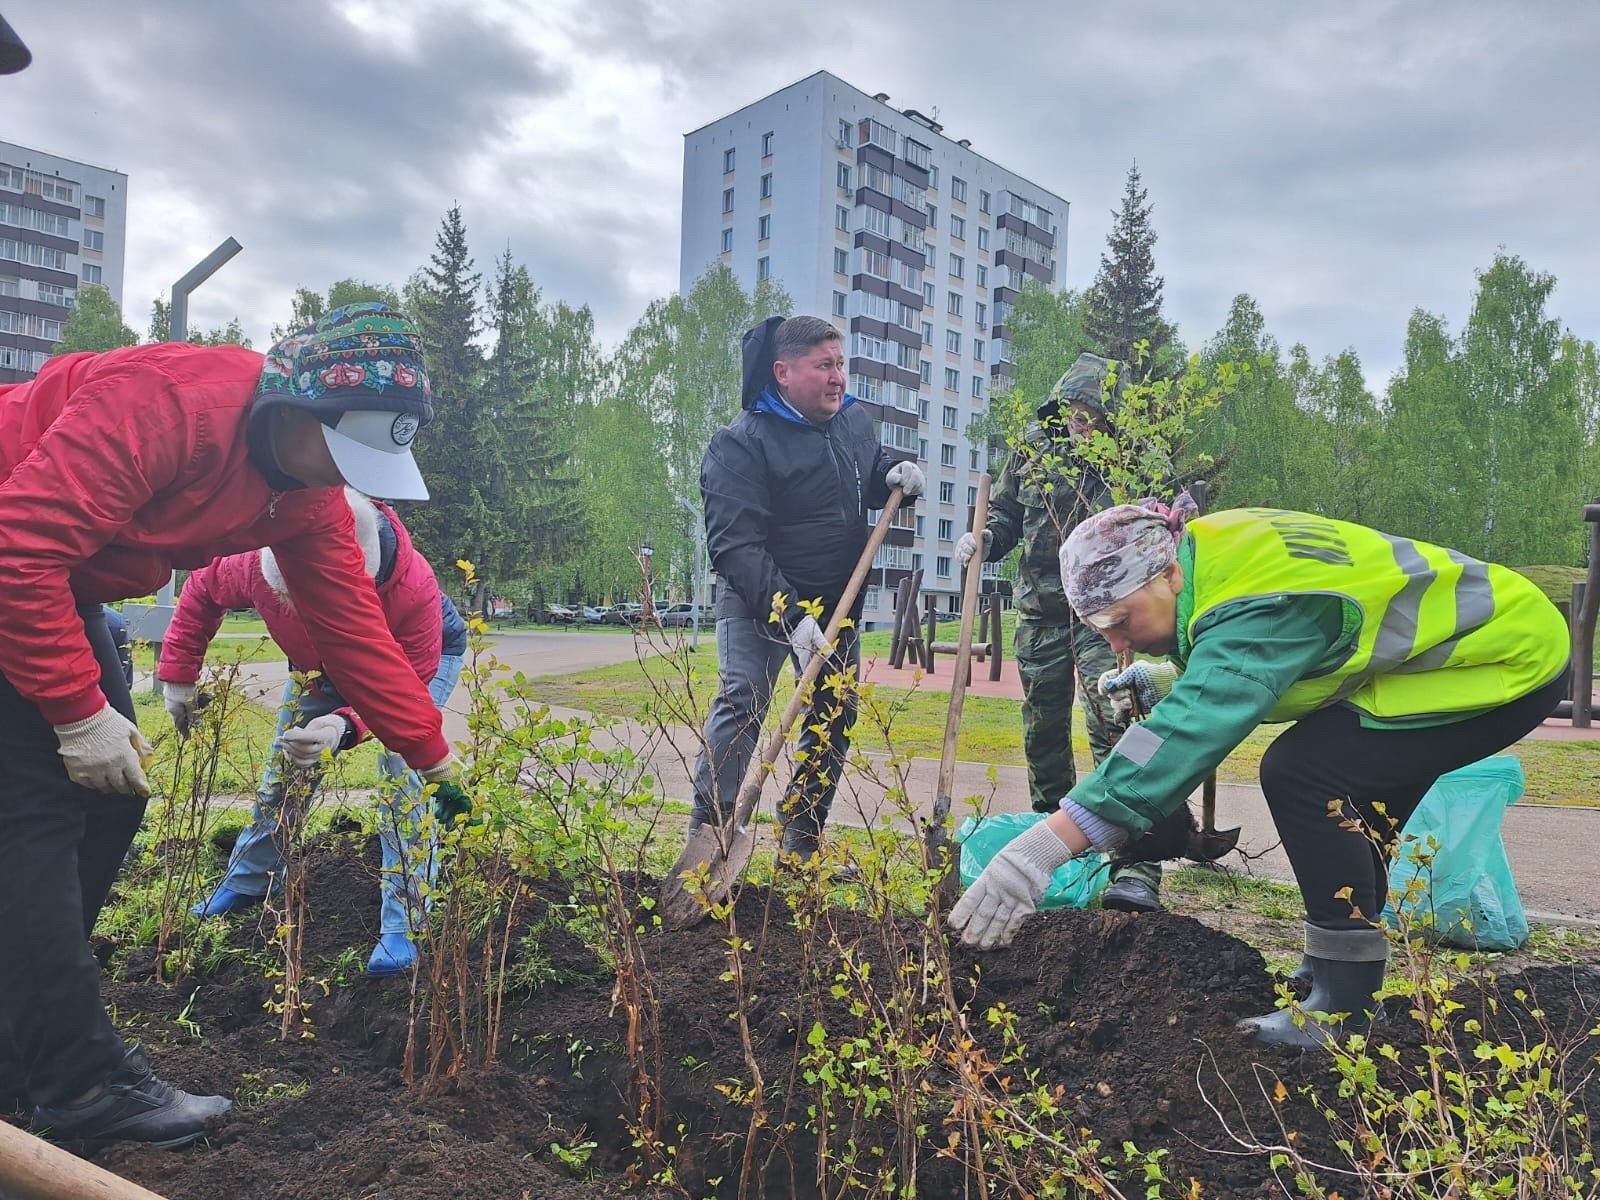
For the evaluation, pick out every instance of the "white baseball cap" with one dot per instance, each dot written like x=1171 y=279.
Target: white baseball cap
x=372 y=450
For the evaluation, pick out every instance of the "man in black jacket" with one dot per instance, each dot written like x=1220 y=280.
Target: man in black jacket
x=787 y=488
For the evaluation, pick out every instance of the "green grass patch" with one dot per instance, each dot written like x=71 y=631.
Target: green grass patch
x=1555 y=582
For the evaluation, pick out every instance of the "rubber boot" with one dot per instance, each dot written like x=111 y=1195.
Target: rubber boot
x=1299 y=979
x=1135 y=887
x=801 y=843
x=136 y=1106
x=1347 y=967
x=395 y=954
x=223 y=901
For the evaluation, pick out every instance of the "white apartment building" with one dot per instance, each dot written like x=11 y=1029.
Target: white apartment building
x=62 y=224
x=915 y=244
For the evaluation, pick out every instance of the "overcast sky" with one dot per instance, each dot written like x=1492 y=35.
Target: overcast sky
x=1344 y=163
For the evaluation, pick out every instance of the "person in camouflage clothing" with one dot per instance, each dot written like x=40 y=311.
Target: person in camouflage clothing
x=1041 y=497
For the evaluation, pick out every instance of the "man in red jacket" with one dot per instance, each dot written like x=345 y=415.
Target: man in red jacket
x=115 y=469
x=316 y=718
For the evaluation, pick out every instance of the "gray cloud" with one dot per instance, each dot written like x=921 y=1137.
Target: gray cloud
x=1343 y=164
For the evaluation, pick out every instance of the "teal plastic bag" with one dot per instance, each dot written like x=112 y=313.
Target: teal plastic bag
x=1468 y=889
x=1076 y=884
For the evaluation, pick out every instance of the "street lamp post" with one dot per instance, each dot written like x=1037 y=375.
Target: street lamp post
x=647 y=611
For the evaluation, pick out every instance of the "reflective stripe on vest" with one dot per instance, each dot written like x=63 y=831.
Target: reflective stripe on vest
x=1429 y=631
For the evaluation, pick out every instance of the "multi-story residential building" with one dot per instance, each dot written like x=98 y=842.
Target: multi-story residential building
x=913 y=243
x=63 y=224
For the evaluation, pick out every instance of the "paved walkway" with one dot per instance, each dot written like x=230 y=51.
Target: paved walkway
x=1552 y=849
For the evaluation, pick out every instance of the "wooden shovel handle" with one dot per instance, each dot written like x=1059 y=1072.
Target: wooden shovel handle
x=33 y=1169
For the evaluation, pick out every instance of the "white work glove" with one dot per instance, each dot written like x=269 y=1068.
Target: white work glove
x=908 y=477
x=105 y=752
x=1146 y=681
x=968 y=546
x=305 y=744
x=183 y=706
x=1008 y=890
x=806 y=639
x=444 y=771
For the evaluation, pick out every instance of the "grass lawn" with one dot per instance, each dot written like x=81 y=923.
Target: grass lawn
x=991 y=731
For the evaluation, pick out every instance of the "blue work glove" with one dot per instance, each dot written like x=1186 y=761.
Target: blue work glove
x=1144 y=682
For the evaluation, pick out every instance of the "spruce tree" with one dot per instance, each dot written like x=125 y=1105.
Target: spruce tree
x=1125 y=298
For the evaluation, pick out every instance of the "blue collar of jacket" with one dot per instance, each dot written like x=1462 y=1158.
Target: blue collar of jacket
x=771 y=401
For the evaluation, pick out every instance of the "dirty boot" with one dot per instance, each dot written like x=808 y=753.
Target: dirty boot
x=1135 y=887
x=1347 y=967
x=801 y=844
x=1299 y=979
x=223 y=901
x=395 y=954
x=136 y=1106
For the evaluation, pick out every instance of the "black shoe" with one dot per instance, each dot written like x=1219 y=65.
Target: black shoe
x=135 y=1107
x=1131 y=894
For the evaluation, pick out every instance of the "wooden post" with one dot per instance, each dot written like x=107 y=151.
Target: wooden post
x=933 y=634
x=996 y=639
x=897 y=643
x=1582 y=656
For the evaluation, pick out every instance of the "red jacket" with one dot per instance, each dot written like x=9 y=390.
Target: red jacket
x=410 y=599
x=117 y=468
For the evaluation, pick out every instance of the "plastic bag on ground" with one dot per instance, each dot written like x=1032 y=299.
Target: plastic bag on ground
x=1076 y=884
x=1466 y=896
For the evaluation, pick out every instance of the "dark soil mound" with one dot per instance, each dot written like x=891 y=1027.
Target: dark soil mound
x=1131 y=1017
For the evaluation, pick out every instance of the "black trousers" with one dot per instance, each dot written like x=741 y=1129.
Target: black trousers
x=1330 y=756
x=60 y=847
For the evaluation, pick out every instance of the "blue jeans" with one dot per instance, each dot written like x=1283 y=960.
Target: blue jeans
x=750 y=654
x=258 y=855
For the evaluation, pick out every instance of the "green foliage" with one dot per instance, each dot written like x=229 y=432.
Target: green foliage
x=307 y=306
x=231 y=334
x=95 y=324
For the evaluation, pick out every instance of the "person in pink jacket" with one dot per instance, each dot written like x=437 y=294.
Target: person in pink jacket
x=433 y=636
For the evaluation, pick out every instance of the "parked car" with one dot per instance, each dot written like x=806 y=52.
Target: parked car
x=683 y=616
x=560 y=614
x=623 y=614
x=592 y=615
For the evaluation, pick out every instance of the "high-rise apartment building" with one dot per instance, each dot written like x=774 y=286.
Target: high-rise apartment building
x=913 y=243
x=63 y=224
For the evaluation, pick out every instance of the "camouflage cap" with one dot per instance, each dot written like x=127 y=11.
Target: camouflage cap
x=1085 y=382
x=1116 y=552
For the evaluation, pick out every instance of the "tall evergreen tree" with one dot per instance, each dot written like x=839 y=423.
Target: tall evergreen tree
x=1125 y=299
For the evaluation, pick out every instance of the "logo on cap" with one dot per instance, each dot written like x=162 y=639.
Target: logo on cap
x=403 y=429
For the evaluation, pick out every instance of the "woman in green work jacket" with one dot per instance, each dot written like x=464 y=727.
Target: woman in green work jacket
x=1396 y=660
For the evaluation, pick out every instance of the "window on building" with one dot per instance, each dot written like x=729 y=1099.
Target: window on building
x=983 y=275
x=727 y=241
x=958 y=228
x=927 y=294
x=92 y=273
x=933 y=218
x=840 y=300
x=10 y=286
x=977 y=349
x=93 y=239
x=764 y=226
x=919 y=525
x=933 y=179
x=727 y=160
x=927 y=333
x=846 y=133
x=766 y=145
x=958 y=266
x=972 y=459
x=841 y=176
x=763 y=267
x=916 y=561
x=958 y=188
x=953 y=303
x=841 y=261
x=977 y=387
x=926 y=371
x=952 y=379
x=983 y=238
x=946 y=529
x=947 y=492
x=983 y=201
x=841 y=218
x=972 y=496
x=952 y=340
x=94 y=206
x=922 y=407
x=980 y=314
x=727 y=200
x=950 y=416
x=766 y=186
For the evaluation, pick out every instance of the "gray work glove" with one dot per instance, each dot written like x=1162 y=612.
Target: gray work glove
x=304 y=745
x=908 y=477
x=1008 y=891
x=968 y=546
x=1148 y=682
x=806 y=639
x=183 y=706
x=106 y=752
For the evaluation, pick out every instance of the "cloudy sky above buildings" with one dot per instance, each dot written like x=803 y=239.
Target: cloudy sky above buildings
x=1343 y=163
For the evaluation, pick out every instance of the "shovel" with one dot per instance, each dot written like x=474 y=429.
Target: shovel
x=935 y=836
x=1209 y=843
x=718 y=852
x=33 y=1169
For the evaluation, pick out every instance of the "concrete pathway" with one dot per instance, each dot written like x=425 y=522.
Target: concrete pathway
x=1552 y=849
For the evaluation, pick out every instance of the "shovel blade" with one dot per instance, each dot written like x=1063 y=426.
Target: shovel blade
x=1209 y=845
x=704 y=874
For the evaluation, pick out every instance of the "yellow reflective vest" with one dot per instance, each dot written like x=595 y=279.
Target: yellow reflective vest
x=1429 y=633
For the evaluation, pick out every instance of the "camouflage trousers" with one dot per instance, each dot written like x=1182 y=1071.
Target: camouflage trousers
x=1057 y=662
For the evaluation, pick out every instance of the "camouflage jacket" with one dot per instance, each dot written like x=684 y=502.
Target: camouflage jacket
x=1039 y=506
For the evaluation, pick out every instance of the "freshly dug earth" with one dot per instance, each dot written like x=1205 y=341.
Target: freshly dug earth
x=1131 y=1016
